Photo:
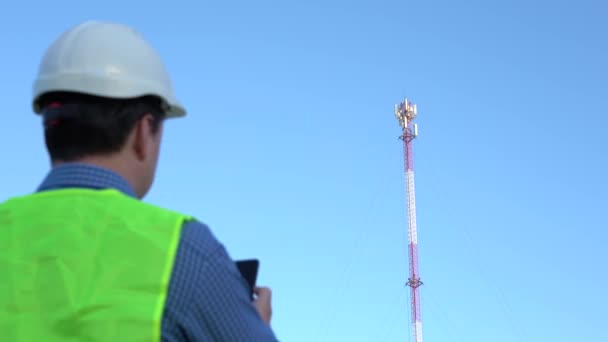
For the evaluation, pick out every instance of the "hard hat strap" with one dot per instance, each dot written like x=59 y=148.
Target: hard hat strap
x=56 y=112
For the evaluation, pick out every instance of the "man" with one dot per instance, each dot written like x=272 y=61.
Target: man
x=83 y=258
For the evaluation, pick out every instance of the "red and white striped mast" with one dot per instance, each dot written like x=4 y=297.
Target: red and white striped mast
x=406 y=113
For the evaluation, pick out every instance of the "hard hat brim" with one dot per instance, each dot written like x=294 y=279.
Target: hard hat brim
x=95 y=85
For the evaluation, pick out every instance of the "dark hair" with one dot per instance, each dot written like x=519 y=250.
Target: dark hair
x=78 y=125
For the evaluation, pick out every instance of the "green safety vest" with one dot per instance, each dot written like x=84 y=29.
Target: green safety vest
x=84 y=265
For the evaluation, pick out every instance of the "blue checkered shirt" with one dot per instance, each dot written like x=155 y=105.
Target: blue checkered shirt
x=208 y=300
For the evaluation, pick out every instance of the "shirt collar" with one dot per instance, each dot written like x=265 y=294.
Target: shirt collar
x=79 y=175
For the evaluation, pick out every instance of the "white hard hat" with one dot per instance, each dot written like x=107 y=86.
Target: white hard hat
x=108 y=60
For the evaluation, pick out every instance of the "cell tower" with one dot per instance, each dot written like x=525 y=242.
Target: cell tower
x=406 y=113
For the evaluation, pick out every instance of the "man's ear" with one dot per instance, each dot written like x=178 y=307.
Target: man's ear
x=143 y=134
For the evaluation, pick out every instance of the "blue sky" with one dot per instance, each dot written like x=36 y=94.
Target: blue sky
x=290 y=154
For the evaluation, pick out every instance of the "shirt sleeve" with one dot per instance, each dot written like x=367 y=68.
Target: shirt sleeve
x=208 y=299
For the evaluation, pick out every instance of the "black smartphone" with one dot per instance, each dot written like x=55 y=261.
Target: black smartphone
x=249 y=270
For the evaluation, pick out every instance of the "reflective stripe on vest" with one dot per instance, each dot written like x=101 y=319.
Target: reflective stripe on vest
x=84 y=265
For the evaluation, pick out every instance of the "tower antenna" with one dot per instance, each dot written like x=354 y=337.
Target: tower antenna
x=406 y=112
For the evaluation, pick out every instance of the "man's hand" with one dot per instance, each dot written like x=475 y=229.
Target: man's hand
x=262 y=303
